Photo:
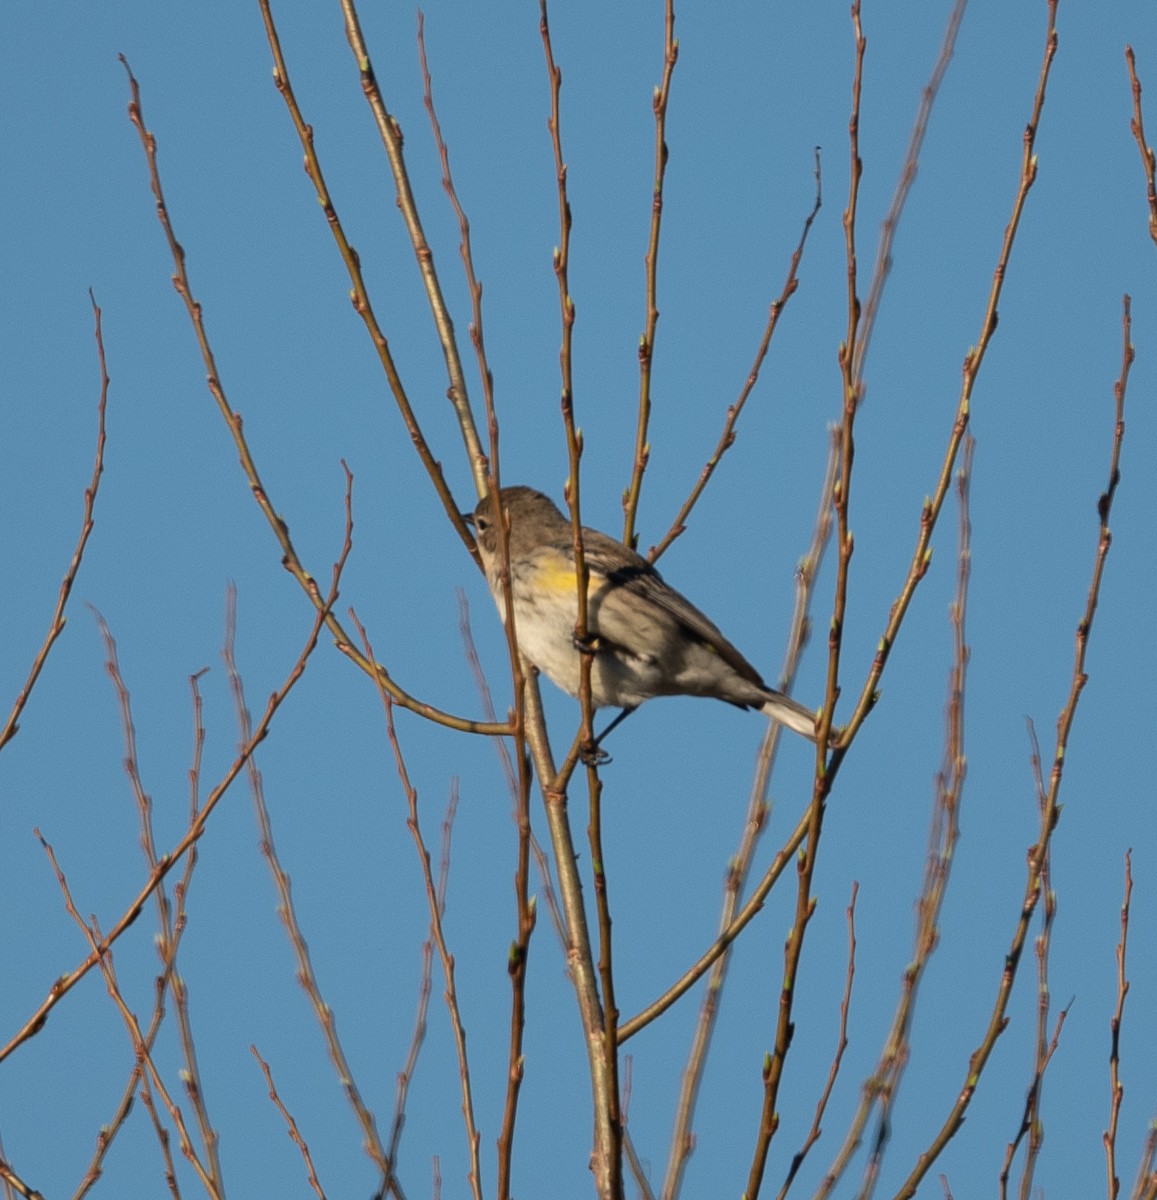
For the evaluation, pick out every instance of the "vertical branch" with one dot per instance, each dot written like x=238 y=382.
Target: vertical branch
x=1031 y=1125
x=647 y=341
x=841 y=1045
x=882 y=1087
x=574 y=440
x=824 y=776
x=1116 y=1087
x=883 y=266
x=602 y=1043
x=1148 y=159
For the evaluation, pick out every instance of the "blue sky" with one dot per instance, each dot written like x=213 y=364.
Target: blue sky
x=755 y=89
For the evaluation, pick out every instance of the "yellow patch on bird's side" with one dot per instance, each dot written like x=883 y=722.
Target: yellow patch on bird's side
x=556 y=573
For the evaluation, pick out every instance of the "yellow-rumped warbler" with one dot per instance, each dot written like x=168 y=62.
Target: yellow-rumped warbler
x=648 y=640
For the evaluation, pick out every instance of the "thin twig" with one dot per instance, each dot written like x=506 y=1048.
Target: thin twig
x=472 y=280
x=841 y=1045
x=908 y=172
x=520 y=949
x=1148 y=159
x=56 y=626
x=647 y=340
x=1116 y=1087
x=1032 y=1125
x=727 y=437
x=881 y=1088
x=290 y=1125
x=1145 y=1187
x=824 y=775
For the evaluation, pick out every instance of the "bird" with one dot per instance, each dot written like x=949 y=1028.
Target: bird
x=647 y=639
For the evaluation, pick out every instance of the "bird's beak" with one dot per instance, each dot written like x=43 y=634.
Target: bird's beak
x=468 y=518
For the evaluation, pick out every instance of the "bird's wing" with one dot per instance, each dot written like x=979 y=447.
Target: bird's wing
x=636 y=575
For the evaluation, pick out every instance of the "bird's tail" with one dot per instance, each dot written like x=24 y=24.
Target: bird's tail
x=790 y=713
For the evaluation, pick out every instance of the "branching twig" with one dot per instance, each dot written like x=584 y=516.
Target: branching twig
x=168 y=952
x=211 y=1182
x=165 y=863
x=922 y=555
x=290 y=559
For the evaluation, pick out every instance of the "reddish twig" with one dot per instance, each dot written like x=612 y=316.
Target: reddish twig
x=1116 y=1087
x=1148 y=159
x=841 y=1045
x=727 y=437
x=290 y=1125
x=883 y=267
x=56 y=626
x=647 y=340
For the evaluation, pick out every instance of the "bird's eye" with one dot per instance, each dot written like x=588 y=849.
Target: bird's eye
x=480 y=523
